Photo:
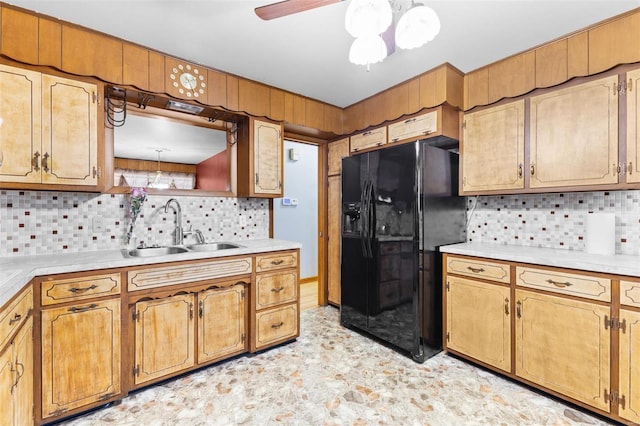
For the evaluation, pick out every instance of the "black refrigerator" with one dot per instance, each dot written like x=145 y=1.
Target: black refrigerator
x=399 y=205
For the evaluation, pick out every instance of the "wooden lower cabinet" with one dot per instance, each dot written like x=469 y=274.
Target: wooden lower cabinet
x=333 y=239
x=16 y=379
x=81 y=350
x=275 y=326
x=629 y=366
x=221 y=323
x=164 y=337
x=563 y=344
x=478 y=321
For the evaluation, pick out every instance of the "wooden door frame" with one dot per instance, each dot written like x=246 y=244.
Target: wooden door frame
x=322 y=211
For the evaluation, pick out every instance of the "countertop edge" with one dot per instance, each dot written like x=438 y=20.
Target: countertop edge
x=16 y=272
x=626 y=265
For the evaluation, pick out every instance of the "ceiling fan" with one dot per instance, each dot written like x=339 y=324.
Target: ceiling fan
x=289 y=7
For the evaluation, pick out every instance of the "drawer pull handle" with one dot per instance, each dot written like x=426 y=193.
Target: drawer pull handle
x=17 y=317
x=277 y=262
x=277 y=290
x=278 y=325
x=519 y=309
x=475 y=270
x=78 y=289
x=559 y=284
x=76 y=309
x=506 y=306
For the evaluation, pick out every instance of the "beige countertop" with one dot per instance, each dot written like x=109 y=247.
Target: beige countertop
x=616 y=264
x=17 y=271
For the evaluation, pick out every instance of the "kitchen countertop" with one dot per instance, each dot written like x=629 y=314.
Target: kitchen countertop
x=615 y=264
x=16 y=272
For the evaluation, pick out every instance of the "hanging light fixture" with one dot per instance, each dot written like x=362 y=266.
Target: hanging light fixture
x=366 y=50
x=418 y=26
x=366 y=20
x=367 y=17
x=156 y=181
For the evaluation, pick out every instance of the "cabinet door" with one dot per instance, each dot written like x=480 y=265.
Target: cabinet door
x=81 y=350
x=478 y=321
x=267 y=159
x=562 y=344
x=629 y=366
x=492 y=149
x=69 y=132
x=23 y=391
x=633 y=121
x=164 y=333
x=574 y=136
x=7 y=379
x=334 y=219
x=413 y=128
x=221 y=323
x=369 y=139
x=20 y=101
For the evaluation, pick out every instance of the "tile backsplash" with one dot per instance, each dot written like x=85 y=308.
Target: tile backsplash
x=43 y=222
x=553 y=220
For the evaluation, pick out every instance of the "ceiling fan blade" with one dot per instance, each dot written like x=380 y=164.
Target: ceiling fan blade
x=289 y=7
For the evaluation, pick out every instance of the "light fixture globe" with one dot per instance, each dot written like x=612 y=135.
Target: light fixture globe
x=419 y=25
x=367 y=50
x=367 y=17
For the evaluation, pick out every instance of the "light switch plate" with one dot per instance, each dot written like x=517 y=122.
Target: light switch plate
x=97 y=224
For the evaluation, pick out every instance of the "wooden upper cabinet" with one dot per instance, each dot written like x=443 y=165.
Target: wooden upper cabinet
x=369 y=139
x=19 y=32
x=135 y=66
x=574 y=135
x=88 y=53
x=260 y=151
x=492 y=148
x=253 y=98
x=512 y=76
x=185 y=80
x=614 y=43
x=69 y=131
x=414 y=127
x=336 y=151
x=49 y=43
x=632 y=165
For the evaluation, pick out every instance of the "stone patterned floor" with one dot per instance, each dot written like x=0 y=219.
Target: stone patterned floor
x=333 y=376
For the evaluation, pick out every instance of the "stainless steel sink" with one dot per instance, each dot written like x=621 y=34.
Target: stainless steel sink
x=155 y=251
x=212 y=246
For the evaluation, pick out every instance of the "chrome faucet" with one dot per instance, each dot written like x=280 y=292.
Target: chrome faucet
x=178 y=237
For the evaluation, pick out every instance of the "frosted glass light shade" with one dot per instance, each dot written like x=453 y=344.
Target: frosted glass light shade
x=416 y=27
x=368 y=50
x=367 y=17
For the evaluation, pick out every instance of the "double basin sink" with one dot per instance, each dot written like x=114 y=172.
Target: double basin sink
x=162 y=251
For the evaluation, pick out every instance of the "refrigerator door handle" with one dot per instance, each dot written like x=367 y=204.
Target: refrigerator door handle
x=363 y=216
x=371 y=220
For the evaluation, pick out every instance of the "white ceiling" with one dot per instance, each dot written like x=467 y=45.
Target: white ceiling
x=307 y=53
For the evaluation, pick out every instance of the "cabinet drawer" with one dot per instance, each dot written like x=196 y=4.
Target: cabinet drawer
x=15 y=314
x=565 y=283
x=494 y=271
x=276 y=325
x=369 y=139
x=270 y=262
x=79 y=288
x=275 y=289
x=630 y=293
x=418 y=126
x=187 y=272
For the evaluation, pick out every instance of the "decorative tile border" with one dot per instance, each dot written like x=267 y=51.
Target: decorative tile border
x=553 y=220
x=41 y=222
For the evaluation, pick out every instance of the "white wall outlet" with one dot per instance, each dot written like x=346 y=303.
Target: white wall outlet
x=97 y=224
x=294 y=201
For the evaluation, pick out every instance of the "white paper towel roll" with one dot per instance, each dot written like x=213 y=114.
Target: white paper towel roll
x=601 y=233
